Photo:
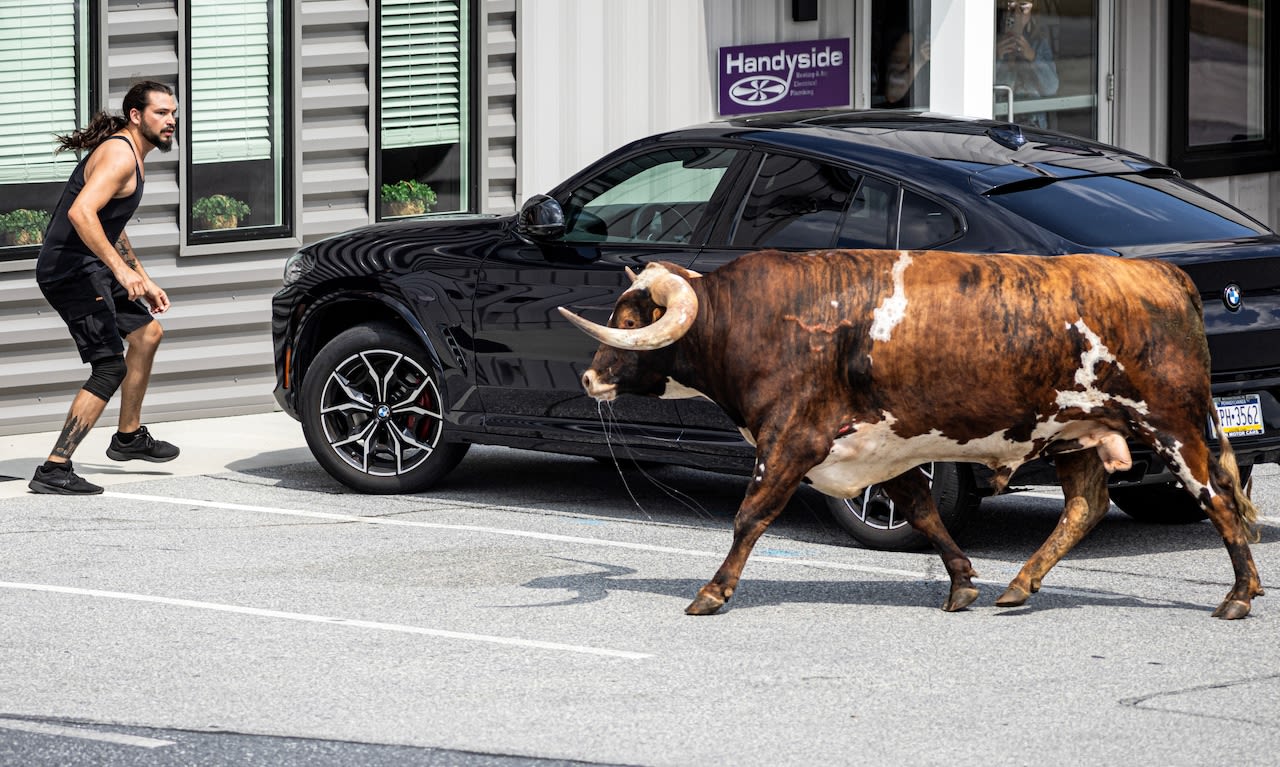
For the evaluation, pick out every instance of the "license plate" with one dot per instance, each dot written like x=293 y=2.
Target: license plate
x=1241 y=415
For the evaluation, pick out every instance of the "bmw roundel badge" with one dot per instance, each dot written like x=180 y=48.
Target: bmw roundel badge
x=1233 y=297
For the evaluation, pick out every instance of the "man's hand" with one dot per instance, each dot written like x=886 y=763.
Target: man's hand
x=133 y=283
x=156 y=297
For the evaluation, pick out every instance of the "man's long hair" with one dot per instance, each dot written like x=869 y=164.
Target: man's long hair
x=103 y=125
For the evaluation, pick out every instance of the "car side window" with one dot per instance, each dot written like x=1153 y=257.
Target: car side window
x=659 y=197
x=866 y=224
x=924 y=223
x=794 y=204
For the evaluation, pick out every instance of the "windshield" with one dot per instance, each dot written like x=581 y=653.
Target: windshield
x=1118 y=211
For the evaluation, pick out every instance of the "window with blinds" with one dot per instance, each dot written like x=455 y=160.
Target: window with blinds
x=423 y=105
x=422 y=63
x=231 y=99
x=44 y=63
x=236 y=120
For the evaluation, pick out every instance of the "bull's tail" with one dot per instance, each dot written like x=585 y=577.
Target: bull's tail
x=1245 y=509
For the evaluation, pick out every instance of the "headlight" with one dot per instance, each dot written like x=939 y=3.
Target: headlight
x=298 y=266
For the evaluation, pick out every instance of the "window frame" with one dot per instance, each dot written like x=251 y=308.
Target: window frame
x=470 y=137
x=1222 y=159
x=94 y=36
x=285 y=234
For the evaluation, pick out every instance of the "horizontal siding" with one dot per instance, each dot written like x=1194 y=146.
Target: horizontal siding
x=335 y=117
x=499 y=89
x=216 y=356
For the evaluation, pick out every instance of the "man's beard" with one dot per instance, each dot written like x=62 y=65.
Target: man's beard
x=163 y=144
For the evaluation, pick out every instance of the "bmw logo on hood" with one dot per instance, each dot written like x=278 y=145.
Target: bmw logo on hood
x=1233 y=297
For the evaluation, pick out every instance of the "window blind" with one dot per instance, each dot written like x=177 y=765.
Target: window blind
x=422 y=60
x=230 y=80
x=43 y=55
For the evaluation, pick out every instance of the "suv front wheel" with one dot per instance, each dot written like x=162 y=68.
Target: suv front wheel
x=372 y=413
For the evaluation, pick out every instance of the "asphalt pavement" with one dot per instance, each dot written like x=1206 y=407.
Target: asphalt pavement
x=238 y=606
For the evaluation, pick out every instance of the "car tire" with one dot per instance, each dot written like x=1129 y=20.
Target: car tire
x=874 y=521
x=372 y=413
x=1164 y=504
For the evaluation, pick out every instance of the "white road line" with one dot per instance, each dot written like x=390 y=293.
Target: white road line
x=352 y=518
x=303 y=617
x=83 y=734
x=815 y=563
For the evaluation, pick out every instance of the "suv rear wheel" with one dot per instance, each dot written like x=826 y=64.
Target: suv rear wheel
x=372 y=413
x=876 y=522
x=1167 y=504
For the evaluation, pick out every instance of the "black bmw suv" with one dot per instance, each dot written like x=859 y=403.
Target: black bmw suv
x=398 y=345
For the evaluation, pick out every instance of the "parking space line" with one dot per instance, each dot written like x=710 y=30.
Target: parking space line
x=63 y=731
x=349 y=622
x=789 y=560
x=511 y=532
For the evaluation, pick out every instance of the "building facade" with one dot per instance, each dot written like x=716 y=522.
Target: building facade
x=304 y=111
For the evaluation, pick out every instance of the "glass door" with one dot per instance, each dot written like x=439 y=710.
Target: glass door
x=1053 y=65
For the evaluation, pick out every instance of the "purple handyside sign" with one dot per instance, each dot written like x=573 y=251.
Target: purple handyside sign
x=774 y=76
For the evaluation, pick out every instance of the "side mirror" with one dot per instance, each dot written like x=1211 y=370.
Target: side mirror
x=541 y=218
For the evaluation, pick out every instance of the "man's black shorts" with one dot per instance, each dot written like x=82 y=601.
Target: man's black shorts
x=97 y=311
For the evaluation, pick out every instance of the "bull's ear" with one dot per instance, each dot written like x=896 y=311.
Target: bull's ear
x=657 y=312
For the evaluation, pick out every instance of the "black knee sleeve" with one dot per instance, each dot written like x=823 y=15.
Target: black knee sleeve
x=108 y=374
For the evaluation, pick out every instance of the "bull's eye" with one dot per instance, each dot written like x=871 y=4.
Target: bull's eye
x=628 y=324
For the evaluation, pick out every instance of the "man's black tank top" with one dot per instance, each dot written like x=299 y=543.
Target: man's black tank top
x=63 y=254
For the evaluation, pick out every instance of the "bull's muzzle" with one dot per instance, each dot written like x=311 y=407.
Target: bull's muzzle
x=598 y=389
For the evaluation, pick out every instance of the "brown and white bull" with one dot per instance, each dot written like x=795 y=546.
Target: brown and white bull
x=851 y=368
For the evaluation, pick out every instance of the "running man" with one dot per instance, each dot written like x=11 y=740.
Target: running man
x=89 y=273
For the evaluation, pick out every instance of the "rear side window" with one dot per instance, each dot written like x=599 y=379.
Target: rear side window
x=1118 y=211
x=795 y=204
x=924 y=223
x=866 y=224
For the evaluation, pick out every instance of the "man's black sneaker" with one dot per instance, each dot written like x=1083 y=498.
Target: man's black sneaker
x=143 y=446
x=59 y=479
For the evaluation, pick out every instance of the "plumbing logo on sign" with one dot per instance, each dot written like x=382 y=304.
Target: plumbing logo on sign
x=776 y=76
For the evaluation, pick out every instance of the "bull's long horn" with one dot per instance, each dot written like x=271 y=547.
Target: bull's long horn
x=667 y=290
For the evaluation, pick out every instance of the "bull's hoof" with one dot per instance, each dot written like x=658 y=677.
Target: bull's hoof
x=1232 y=610
x=1013 y=597
x=704 y=605
x=960 y=598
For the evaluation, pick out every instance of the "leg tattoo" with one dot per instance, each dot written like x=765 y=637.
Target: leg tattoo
x=72 y=433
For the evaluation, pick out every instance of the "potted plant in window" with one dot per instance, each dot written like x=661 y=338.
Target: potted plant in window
x=408 y=197
x=23 y=226
x=218 y=211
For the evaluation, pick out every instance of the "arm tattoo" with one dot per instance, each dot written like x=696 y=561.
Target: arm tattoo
x=72 y=433
x=122 y=247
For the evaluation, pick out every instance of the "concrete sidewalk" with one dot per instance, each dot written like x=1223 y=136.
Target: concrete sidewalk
x=209 y=446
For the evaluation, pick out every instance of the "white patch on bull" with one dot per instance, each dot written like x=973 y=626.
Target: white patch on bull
x=760 y=472
x=835 y=304
x=1184 y=475
x=676 y=390
x=873 y=453
x=1093 y=398
x=894 y=308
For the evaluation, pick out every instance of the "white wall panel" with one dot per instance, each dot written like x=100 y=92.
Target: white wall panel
x=594 y=75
